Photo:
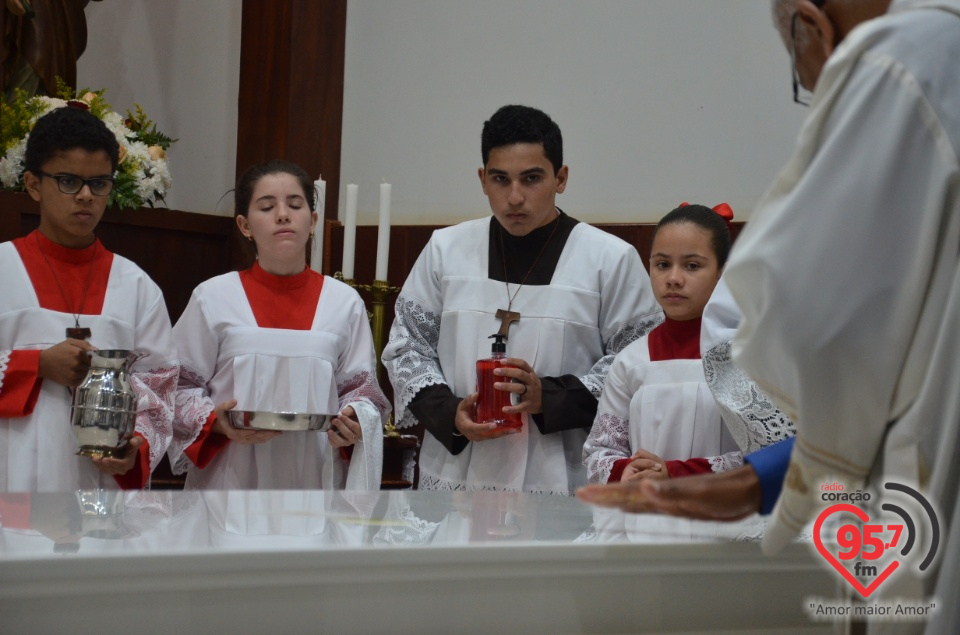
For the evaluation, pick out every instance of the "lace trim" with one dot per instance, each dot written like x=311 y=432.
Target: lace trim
x=628 y=333
x=156 y=390
x=190 y=378
x=749 y=531
x=725 y=462
x=414 y=339
x=752 y=418
x=632 y=331
x=608 y=442
x=411 y=531
x=589 y=535
x=363 y=386
x=193 y=408
x=428 y=482
x=4 y=363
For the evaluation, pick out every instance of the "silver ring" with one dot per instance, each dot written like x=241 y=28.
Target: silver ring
x=524 y=390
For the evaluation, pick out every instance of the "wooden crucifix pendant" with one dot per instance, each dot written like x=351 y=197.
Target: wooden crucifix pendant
x=78 y=333
x=506 y=319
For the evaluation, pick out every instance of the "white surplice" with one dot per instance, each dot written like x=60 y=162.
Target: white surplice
x=225 y=355
x=38 y=451
x=664 y=407
x=848 y=276
x=598 y=301
x=752 y=417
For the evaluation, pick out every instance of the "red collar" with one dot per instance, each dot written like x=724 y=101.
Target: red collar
x=675 y=340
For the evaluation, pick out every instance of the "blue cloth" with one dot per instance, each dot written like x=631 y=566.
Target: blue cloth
x=770 y=464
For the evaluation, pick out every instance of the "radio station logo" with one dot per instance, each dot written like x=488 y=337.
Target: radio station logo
x=865 y=545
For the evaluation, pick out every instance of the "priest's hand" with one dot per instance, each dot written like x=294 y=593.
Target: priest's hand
x=644 y=465
x=243 y=436
x=120 y=466
x=525 y=383
x=729 y=495
x=473 y=431
x=345 y=429
x=66 y=363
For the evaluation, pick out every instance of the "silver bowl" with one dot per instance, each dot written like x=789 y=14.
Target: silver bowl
x=285 y=421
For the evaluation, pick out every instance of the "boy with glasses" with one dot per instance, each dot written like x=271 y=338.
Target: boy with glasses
x=64 y=295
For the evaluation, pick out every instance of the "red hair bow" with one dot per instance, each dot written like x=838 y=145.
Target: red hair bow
x=723 y=209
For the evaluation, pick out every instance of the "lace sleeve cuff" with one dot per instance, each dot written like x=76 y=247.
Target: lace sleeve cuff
x=411 y=356
x=625 y=335
x=608 y=442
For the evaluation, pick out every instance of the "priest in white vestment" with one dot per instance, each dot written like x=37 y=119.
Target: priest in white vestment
x=848 y=275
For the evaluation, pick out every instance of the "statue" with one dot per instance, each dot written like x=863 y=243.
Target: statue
x=42 y=40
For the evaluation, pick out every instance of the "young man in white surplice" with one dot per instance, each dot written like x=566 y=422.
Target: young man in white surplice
x=277 y=338
x=63 y=295
x=580 y=294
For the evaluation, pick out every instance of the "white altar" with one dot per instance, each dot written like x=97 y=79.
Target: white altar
x=388 y=562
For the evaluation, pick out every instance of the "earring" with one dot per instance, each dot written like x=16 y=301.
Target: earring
x=250 y=238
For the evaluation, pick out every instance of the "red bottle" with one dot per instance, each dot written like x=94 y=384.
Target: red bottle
x=491 y=401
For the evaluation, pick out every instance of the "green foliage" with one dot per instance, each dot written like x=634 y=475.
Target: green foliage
x=147 y=130
x=124 y=192
x=17 y=117
x=140 y=179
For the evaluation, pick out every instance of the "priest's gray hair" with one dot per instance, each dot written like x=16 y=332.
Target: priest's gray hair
x=783 y=11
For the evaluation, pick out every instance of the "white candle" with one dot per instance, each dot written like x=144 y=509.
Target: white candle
x=350 y=232
x=316 y=249
x=383 y=236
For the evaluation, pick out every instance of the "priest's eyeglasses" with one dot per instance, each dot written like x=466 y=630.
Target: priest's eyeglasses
x=71 y=183
x=805 y=100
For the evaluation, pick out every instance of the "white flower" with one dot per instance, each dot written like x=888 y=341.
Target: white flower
x=11 y=165
x=50 y=104
x=163 y=171
x=146 y=180
x=115 y=124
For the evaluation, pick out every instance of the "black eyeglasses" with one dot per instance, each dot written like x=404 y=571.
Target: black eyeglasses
x=795 y=76
x=71 y=183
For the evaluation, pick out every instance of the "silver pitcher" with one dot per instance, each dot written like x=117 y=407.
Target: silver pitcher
x=101 y=514
x=104 y=407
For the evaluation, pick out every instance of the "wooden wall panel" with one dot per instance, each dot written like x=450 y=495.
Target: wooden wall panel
x=291 y=87
x=407 y=241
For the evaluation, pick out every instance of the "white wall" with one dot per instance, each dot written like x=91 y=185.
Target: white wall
x=659 y=100
x=180 y=60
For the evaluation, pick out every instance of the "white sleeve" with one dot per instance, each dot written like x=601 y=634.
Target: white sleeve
x=628 y=311
x=833 y=274
x=357 y=387
x=609 y=438
x=410 y=356
x=198 y=347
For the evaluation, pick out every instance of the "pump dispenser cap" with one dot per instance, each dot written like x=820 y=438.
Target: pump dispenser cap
x=498 y=344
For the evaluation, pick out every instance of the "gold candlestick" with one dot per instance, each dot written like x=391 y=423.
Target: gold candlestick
x=380 y=292
x=338 y=275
